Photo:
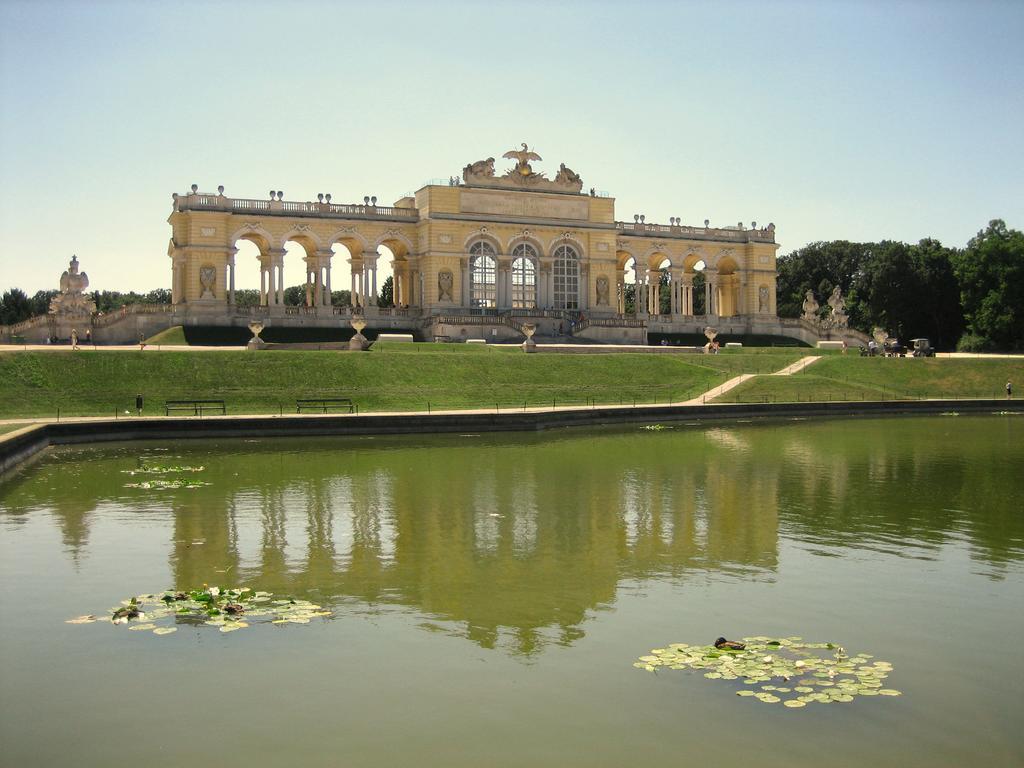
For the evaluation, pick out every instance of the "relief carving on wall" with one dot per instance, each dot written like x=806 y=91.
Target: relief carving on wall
x=445 y=282
x=762 y=299
x=602 y=290
x=207 y=279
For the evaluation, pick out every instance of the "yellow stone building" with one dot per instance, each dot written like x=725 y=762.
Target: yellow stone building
x=486 y=249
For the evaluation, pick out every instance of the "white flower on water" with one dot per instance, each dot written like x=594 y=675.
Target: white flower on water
x=215 y=591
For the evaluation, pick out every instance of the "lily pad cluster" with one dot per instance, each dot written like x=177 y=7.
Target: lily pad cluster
x=164 y=484
x=784 y=671
x=226 y=609
x=157 y=469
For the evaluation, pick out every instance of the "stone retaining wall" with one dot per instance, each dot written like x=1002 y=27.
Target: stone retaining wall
x=19 y=446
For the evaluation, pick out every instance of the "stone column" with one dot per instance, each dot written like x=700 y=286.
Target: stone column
x=327 y=276
x=352 y=292
x=687 y=294
x=711 y=292
x=231 y=275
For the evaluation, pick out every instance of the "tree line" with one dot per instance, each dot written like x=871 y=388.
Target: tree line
x=16 y=305
x=969 y=298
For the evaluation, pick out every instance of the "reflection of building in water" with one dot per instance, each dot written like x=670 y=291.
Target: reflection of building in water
x=496 y=541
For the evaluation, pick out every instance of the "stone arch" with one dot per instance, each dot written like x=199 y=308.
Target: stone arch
x=568 y=238
x=692 y=257
x=257 y=235
x=305 y=237
x=482 y=234
x=529 y=239
x=622 y=258
x=655 y=255
x=397 y=242
x=352 y=239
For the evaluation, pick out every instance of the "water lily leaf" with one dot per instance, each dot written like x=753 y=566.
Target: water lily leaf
x=142 y=627
x=164 y=630
x=89 y=619
x=794 y=703
x=889 y=692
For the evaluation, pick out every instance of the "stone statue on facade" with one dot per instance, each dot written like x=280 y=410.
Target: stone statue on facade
x=522 y=158
x=71 y=300
x=602 y=290
x=445 y=281
x=839 y=317
x=762 y=298
x=481 y=169
x=569 y=178
x=810 y=308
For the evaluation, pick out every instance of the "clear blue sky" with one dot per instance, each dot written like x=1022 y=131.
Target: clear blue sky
x=856 y=120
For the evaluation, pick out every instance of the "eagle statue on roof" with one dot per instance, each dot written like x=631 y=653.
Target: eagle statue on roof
x=522 y=158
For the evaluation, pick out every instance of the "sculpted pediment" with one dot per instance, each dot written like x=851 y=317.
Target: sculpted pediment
x=521 y=175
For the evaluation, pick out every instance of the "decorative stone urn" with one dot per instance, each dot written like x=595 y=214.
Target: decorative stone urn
x=358 y=343
x=710 y=333
x=529 y=345
x=256 y=326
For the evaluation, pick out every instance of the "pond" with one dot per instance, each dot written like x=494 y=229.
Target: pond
x=488 y=596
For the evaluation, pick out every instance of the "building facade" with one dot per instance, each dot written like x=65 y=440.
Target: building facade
x=515 y=244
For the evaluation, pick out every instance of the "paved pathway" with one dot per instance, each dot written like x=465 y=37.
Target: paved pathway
x=721 y=389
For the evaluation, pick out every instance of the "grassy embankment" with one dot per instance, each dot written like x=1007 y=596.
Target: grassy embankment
x=391 y=377
x=173 y=336
x=840 y=377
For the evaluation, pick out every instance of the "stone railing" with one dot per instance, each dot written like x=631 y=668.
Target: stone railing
x=25 y=325
x=201 y=202
x=101 y=320
x=617 y=322
x=729 y=234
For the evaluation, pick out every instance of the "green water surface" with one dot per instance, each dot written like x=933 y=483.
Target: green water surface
x=491 y=592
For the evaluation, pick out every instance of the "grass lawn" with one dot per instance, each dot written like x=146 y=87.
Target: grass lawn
x=5 y=428
x=840 y=377
x=394 y=376
x=173 y=336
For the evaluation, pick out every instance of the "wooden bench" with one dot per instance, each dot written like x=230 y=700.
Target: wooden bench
x=325 y=404
x=195 y=407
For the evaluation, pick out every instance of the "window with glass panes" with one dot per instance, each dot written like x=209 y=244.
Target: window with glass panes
x=524 y=277
x=482 y=274
x=566 y=274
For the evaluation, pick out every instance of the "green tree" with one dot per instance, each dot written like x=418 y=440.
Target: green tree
x=820 y=267
x=991 y=275
x=14 y=307
x=247 y=297
x=41 y=302
x=387 y=293
x=698 y=292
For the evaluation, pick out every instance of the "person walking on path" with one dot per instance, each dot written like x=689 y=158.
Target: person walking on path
x=74 y=338
x=1009 y=390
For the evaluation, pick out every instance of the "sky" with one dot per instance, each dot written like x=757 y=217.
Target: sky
x=833 y=120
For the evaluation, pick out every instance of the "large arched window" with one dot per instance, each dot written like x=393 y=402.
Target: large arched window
x=524 y=277
x=482 y=273
x=567 y=278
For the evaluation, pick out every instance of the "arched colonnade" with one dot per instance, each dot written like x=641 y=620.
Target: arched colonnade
x=723 y=284
x=362 y=256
